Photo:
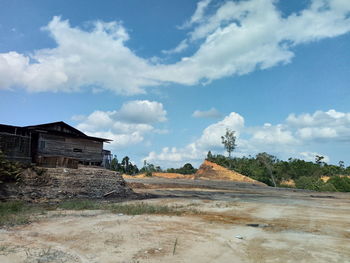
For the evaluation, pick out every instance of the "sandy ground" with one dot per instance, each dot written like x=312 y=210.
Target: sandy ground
x=287 y=227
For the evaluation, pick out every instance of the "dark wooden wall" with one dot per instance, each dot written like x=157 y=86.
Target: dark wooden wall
x=85 y=150
x=15 y=147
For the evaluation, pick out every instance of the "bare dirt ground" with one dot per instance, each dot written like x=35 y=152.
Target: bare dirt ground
x=229 y=222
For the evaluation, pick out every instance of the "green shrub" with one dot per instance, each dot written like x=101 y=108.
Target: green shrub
x=149 y=174
x=328 y=187
x=9 y=171
x=342 y=184
x=309 y=182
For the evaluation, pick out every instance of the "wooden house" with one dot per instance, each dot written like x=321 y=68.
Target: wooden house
x=51 y=144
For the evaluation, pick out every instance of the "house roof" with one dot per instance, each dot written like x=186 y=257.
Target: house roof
x=50 y=125
x=58 y=127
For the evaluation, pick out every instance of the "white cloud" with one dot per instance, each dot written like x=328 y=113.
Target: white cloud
x=311 y=156
x=296 y=137
x=126 y=126
x=142 y=111
x=321 y=125
x=197 y=150
x=179 y=48
x=212 y=113
x=98 y=58
x=273 y=134
x=235 y=38
x=198 y=13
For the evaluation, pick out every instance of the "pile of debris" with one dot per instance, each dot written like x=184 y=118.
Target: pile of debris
x=63 y=183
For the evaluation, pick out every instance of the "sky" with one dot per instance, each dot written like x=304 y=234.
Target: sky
x=165 y=79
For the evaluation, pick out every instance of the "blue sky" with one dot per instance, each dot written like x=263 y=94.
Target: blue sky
x=164 y=79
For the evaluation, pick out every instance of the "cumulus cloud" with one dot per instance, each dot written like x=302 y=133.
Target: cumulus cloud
x=235 y=38
x=310 y=156
x=123 y=126
x=212 y=113
x=142 y=111
x=295 y=137
x=329 y=125
x=273 y=134
x=209 y=140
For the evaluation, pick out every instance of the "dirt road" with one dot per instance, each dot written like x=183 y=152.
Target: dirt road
x=227 y=222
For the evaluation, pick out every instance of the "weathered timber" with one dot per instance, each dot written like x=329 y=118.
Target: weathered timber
x=54 y=144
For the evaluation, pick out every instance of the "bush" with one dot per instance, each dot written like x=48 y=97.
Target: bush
x=9 y=171
x=149 y=174
x=309 y=182
x=328 y=187
x=342 y=184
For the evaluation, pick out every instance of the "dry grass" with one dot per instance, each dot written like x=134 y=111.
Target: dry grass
x=18 y=213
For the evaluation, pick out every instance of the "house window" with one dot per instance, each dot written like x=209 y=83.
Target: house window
x=77 y=150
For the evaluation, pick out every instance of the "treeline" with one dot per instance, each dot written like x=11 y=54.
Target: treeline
x=123 y=167
x=127 y=167
x=186 y=169
x=268 y=169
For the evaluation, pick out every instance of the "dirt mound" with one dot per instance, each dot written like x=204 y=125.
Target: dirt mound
x=326 y=178
x=42 y=184
x=289 y=182
x=213 y=171
x=163 y=175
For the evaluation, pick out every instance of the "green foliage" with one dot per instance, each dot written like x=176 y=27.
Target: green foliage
x=17 y=212
x=150 y=168
x=149 y=174
x=186 y=169
x=342 y=184
x=229 y=141
x=309 y=182
x=125 y=167
x=268 y=169
x=327 y=187
x=9 y=171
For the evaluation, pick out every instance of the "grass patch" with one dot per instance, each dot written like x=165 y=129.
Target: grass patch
x=142 y=208
x=17 y=213
x=81 y=205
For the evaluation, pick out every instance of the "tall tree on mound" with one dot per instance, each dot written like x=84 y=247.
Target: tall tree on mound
x=229 y=141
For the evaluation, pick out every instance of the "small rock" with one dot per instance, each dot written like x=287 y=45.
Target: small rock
x=239 y=237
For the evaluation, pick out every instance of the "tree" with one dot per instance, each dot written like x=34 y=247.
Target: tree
x=125 y=164
x=115 y=166
x=318 y=160
x=187 y=169
x=268 y=161
x=228 y=140
x=149 y=167
x=209 y=156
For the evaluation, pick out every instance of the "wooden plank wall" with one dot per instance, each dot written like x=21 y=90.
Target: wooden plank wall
x=15 y=147
x=54 y=145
